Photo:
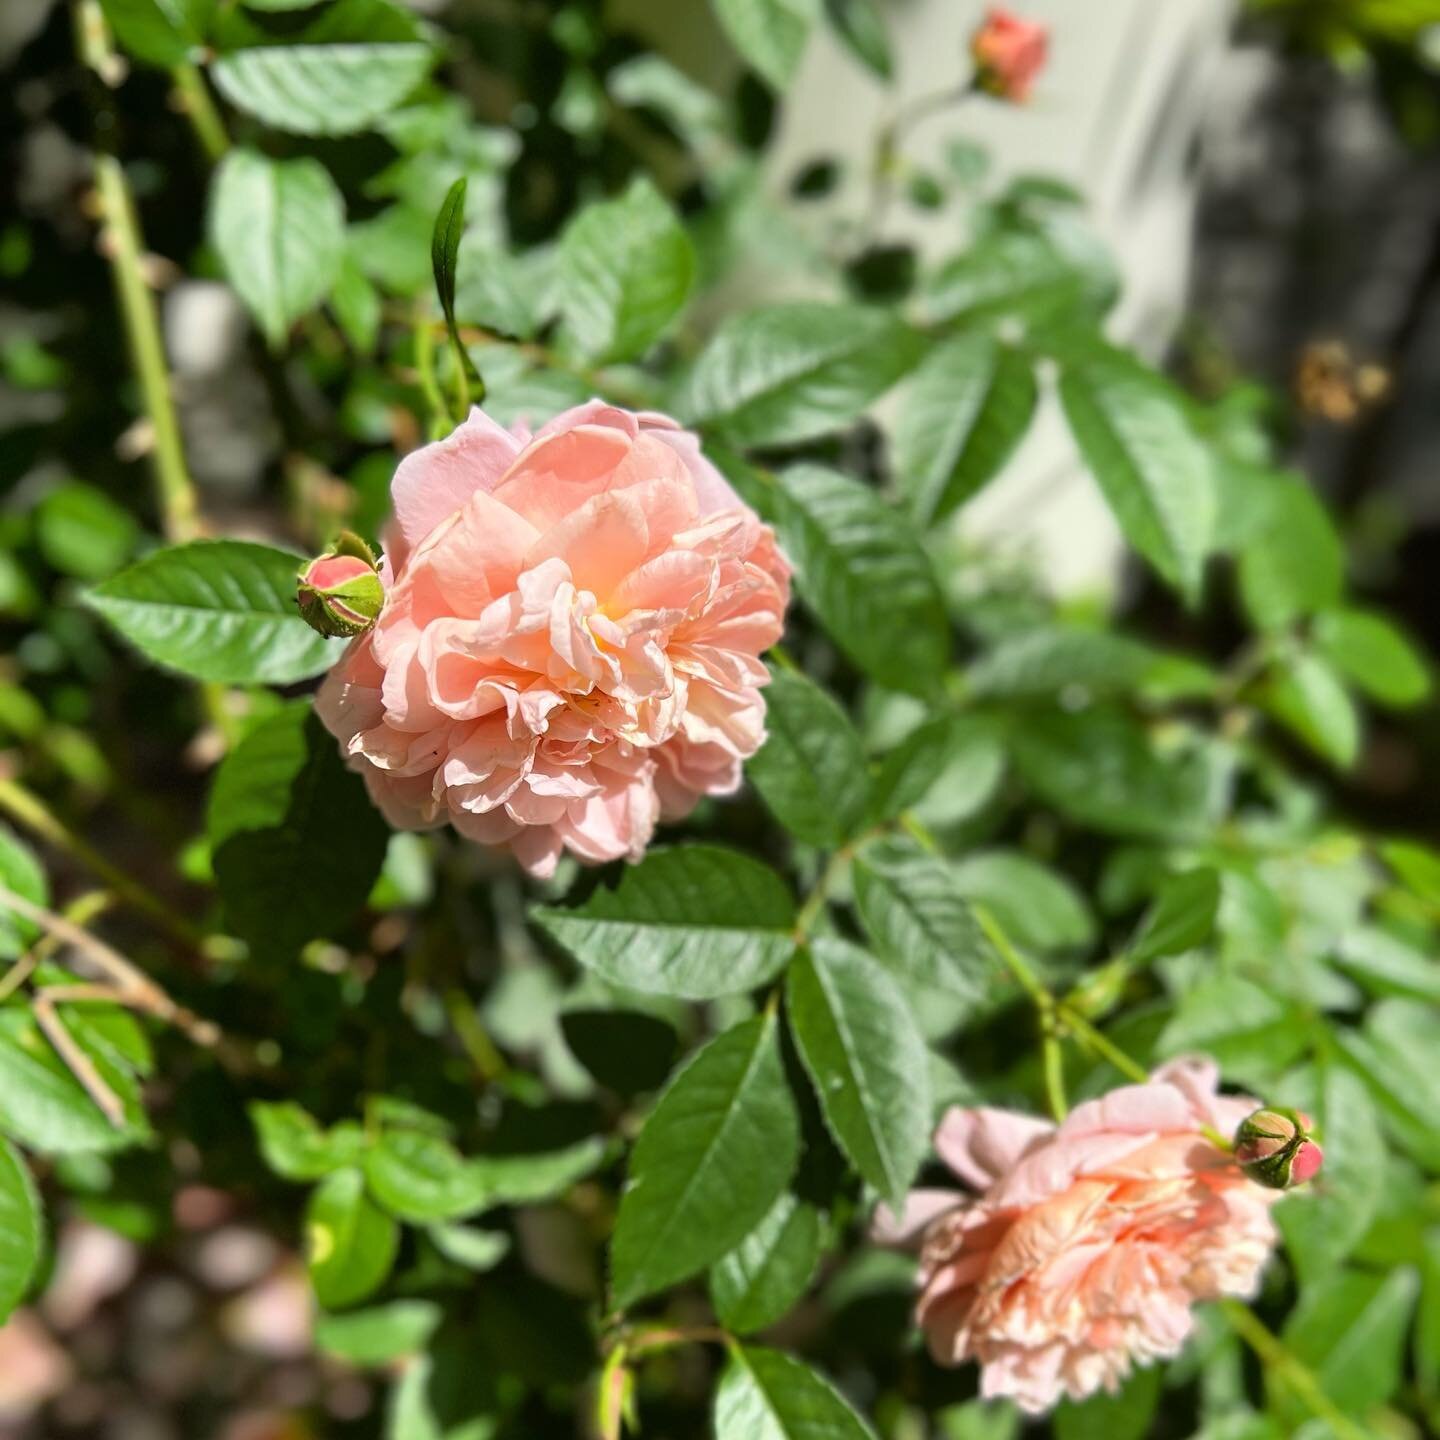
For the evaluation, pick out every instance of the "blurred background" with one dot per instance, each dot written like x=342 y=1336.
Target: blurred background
x=1266 y=175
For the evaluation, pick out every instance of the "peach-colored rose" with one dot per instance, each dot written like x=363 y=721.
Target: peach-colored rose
x=1086 y=1244
x=571 y=638
x=1008 y=53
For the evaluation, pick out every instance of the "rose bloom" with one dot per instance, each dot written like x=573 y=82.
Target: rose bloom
x=1085 y=1244
x=1008 y=53
x=570 y=644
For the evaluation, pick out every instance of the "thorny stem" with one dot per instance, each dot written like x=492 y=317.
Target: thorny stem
x=30 y=811
x=1286 y=1366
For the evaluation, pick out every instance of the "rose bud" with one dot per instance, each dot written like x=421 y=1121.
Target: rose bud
x=1274 y=1148
x=340 y=593
x=1008 y=53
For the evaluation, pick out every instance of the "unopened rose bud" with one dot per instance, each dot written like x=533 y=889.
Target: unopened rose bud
x=340 y=593
x=1275 y=1148
x=1008 y=53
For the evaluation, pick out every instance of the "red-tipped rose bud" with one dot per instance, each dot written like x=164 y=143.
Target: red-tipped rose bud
x=1008 y=53
x=1275 y=1148
x=340 y=593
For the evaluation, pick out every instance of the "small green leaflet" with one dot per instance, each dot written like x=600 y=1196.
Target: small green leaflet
x=770 y=34
x=770 y=1269
x=350 y=1244
x=444 y=254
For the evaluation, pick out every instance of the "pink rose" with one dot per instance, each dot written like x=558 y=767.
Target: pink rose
x=1009 y=53
x=570 y=644
x=1086 y=1244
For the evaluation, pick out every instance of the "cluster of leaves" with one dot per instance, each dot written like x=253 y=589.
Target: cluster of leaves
x=675 y=1093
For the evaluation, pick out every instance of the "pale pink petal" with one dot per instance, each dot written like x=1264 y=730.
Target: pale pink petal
x=981 y=1145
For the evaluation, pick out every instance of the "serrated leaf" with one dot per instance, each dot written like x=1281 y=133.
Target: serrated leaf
x=350 y=67
x=790 y=372
x=1307 y=697
x=292 y=1143
x=1372 y=653
x=766 y=1395
x=350 y=1243
x=1349 y=1328
x=1037 y=907
x=221 y=610
x=160 y=32
x=1387 y=965
x=20 y=1229
x=849 y=548
x=715 y=1153
x=770 y=1269
x=625 y=269
x=919 y=922
x=279 y=227
x=1182 y=917
x=1101 y=768
x=1295 y=565
x=866 y=1057
x=770 y=34
x=1153 y=470
x=21 y=872
x=1322 y=1224
x=43 y=1106
x=810 y=772
x=295 y=842
x=694 y=921
x=965 y=409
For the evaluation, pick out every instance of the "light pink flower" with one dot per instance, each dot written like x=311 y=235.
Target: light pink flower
x=571 y=639
x=1086 y=1244
x=1008 y=53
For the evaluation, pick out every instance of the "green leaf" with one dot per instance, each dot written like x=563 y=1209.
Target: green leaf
x=444 y=1395
x=810 y=771
x=379 y=1334
x=1044 y=660
x=694 y=921
x=770 y=34
x=43 y=1106
x=82 y=532
x=1295 y=566
x=1349 y=1328
x=965 y=410
x=20 y=1230
x=1322 y=1224
x=1182 y=917
x=770 y=1269
x=1252 y=1032
x=21 y=872
x=866 y=1056
x=159 y=32
x=717 y=1150
x=356 y=303
x=860 y=25
x=495 y=290
x=221 y=610
x=1386 y=965
x=1371 y=652
x=919 y=922
x=444 y=255
x=295 y=842
x=1392 y=1054
x=1416 y=866
x=946 y=770
x=1306 y=695
x=279 y=227
x=1154 y=472
x=477 y=1250
x=1125 y=1415
x=766 y=1395
x=849 y=547
x=625 y=270
x=350 y=1244
x=1100 y=768
x=785 y=373
x=293 y=1144
x=1038 y=908
x=346 y=70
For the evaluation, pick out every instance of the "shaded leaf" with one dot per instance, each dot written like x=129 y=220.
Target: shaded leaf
x=770 y=1269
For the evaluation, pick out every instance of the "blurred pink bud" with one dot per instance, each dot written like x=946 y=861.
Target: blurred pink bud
x=1009 y=53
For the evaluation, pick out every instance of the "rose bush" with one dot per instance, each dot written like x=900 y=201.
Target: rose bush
x=480 y=958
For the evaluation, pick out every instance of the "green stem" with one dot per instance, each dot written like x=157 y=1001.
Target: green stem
x=484 y=1055
x=29 y=810
x=425 y=364
x=815 y=901
x=1052 y=1056
x=1289 y=1369
x=199 y=108
x=1016 y=963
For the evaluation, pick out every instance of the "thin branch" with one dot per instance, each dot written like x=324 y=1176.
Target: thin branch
x=47 y=1017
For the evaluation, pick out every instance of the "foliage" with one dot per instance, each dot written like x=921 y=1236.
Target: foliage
x=540 y=1144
